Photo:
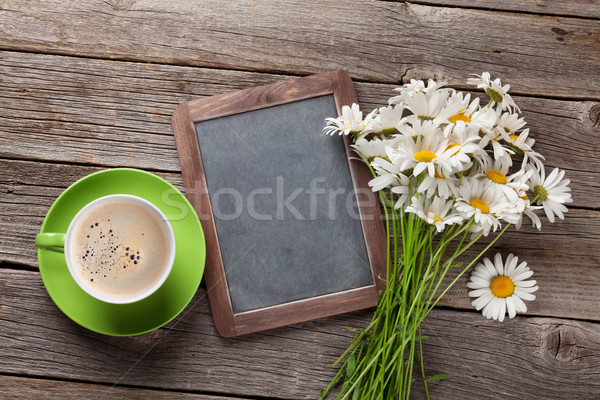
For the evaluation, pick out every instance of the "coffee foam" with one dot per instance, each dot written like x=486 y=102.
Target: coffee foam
x=120 y=249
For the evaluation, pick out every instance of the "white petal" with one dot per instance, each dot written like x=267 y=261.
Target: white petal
x=527 y=289
x=477 y=283
x=525 y=296
x=510 y=306
x=526 y=284
x=502 y=311
x=522 y=276
x=511 y=262
x=419 y=168
x=490 y=267
x=479 y=292
x=482 y=301
x=498 y=264
x=548 y=212
x=519 y=304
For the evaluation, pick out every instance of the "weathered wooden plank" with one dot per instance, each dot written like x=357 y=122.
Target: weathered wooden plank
x=564 y=256
x=541 y=357
x=375 y=41
x=118 y=114
x=20 y=388
x=579 y=8
x=22 y=214
x=551 y=254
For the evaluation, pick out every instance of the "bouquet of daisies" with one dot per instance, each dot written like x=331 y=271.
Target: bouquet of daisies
x=449 y=171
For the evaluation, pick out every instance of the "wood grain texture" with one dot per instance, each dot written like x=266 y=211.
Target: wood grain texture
x=564 y=256
x=20 y=388
x=118 y=114
x=22 y=215
x=578 y=8
x=521 y=358
x=375 y=41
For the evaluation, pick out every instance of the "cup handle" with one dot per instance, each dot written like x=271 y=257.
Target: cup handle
x=51 y=241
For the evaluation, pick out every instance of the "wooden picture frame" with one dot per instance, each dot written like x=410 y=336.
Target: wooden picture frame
x=228 y=323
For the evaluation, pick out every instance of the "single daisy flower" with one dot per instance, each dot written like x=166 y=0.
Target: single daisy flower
x=552 y=191
x=482 y=202
x=351 y=121
x=439 y=185
x=373 y=148
x=416 y=86
x=485 y=119
x=508 y=124
x=386 y=119
x=422 y=152
x=467 y=108
x=434 y=107
x=497 y=174
x=388 y=174
x=435 y=211
x=501 y=287
x=494 y=89
x=523 y=144
x=463 y=145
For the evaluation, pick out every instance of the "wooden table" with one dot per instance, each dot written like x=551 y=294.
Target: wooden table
x=91 y=85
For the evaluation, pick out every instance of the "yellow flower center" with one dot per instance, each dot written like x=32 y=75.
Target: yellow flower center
x=502 y=286
x=460 y=116
x=480 y=205
x=496 y=177
x=514 y=137
x=524 y=197
x=437 y=219
x=439 y=175
x=425 y=156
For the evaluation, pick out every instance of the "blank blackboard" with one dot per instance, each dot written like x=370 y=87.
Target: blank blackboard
x=288 y=239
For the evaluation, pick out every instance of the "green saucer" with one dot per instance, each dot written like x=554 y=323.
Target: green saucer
x=164 y=304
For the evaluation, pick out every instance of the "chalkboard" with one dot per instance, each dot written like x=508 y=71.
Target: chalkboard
x=293 y=231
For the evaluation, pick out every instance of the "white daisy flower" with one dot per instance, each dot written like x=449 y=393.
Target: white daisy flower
x=467 y=108
x=432 y=107
x=496 y=172
x=463 y=145
x=501 y=287
x=494 y=89
x=351 y=121
x=508 y=124
x=386 y=119
x=417 y=129
x=552 y=191
x=388 y=174
x=485 y=119
x=435 y=211
x=422 y=152
x=439 y=185
x=373 y=148
x=524 y=145
x=416 y=86
x=482 y=202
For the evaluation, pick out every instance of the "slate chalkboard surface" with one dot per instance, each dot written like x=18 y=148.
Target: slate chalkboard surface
x=287 y=238
x=276 y=251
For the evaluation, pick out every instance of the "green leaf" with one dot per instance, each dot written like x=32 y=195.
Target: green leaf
x=356 y=394
x=350 y=367
x=437 y=377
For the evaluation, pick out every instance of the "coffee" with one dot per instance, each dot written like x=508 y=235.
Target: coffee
x=120 y=249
